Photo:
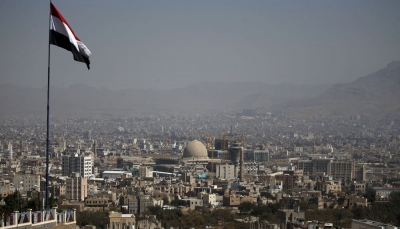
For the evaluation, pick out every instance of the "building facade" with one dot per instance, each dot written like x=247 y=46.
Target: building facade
x=145 y=171
x=117 y=220
x=5 y=189
x=225 y=171
x=339 y=170
x=30 y=182
x=256 y=155
x=76 y=188
x=77 y=164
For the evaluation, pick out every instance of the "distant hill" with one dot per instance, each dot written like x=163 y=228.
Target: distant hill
x=193 y=99
x=375 y=95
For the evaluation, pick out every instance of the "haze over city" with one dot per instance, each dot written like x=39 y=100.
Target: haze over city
x=200 y=114
x=172 y=44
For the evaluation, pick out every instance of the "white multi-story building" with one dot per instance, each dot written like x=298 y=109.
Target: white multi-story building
x=225 y=171
x=77 y=164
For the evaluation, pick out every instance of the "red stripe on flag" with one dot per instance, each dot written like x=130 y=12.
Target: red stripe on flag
x=55 y=13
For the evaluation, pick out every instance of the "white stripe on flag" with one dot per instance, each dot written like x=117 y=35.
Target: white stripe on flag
x=57 y=25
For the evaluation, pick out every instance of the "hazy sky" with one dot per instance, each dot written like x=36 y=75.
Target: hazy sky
x=169 y=44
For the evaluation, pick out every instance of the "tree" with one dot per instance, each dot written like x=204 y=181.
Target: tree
x=14 y=202
x=221 y=215
x=35 y=204
x=359 y=212
x=395 y=197
x=91 y=218
x=165 y=200
x=246 y=206
x=370 y=194
x=53 y=201
x=341 y=201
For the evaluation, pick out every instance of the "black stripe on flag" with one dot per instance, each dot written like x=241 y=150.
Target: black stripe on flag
x=62 y=41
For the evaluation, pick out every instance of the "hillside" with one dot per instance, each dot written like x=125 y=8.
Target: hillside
x=375 y=95
x=193 y=99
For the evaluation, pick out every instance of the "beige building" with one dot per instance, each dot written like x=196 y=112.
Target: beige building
x=234 y=200
x=76 y=188
x=209 y=198
x=359 y=187
x=96 y=202
x=150 y=222
x=117 y=220
x=288 y=180
x=331 y=187
x=313 y=197
x=5 y=188
x=194 y=202
x=57 y=189
x=144 y=171
x=339 y=170
x=30 y=182
x=356 y=201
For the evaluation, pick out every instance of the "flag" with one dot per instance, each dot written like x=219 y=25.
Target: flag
x=62 y=35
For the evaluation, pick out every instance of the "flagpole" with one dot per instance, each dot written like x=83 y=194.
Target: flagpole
x=48 y=114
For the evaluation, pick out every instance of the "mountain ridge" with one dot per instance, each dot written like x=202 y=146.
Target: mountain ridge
x=196 y=98
x=374 y=95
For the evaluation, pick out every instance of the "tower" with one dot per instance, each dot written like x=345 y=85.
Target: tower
x=94 y=148
x=236 y=154
x=10 y=149
x=20 y=146
x=87 y=135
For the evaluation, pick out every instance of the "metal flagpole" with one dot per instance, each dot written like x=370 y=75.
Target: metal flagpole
x=48 y=115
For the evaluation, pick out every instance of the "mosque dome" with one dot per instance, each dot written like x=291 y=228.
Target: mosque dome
x=195 y=149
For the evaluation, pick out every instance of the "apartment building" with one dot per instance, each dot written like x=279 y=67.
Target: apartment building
x=76 y=188
x=225 y=171
x=339 y=170
x=77 y=164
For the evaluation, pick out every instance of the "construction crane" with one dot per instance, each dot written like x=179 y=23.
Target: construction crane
x=210 y=144
x=165 y=142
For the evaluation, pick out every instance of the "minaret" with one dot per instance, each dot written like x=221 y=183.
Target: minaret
x=20 y=146
x=10 y=149
x=241 y=175
x=94 y=148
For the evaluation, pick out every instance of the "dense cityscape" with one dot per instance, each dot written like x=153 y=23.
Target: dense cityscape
x=200 y=114
x=243 y=170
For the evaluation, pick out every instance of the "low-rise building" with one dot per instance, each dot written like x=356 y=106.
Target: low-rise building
x=119 y=220
x=358 y=187
x=5 y=188
x=96 y=202
x=368 y=224
x=356 y=201
x=234 y=200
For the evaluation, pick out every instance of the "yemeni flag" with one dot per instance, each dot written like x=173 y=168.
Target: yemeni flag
x=62 y=35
